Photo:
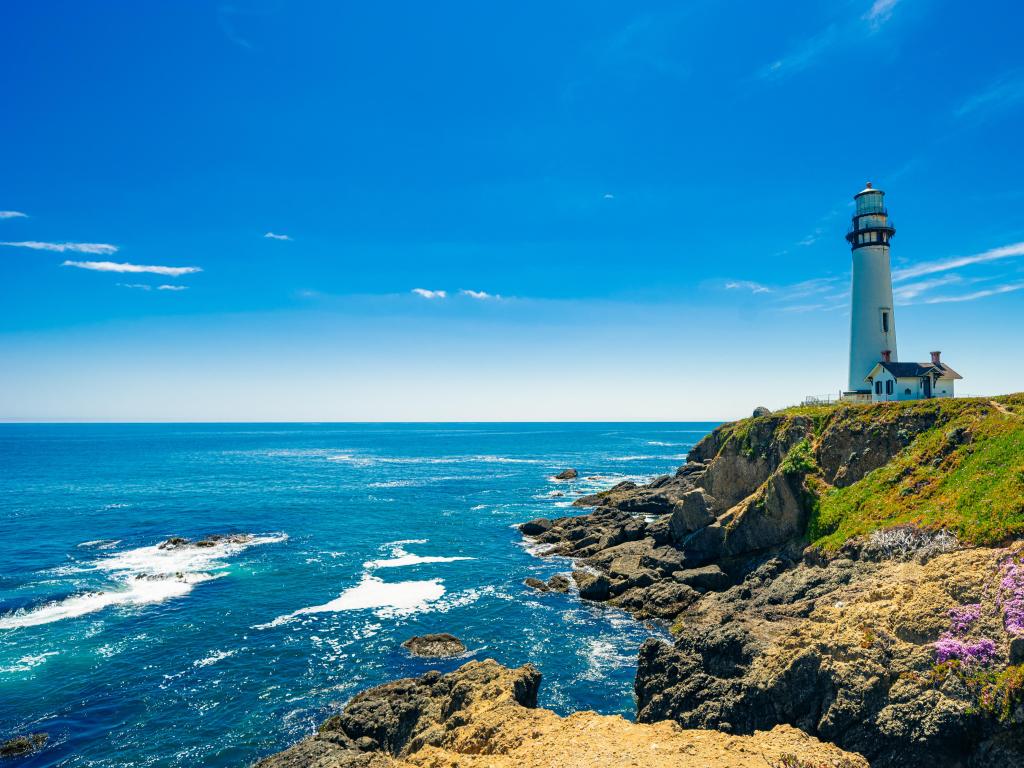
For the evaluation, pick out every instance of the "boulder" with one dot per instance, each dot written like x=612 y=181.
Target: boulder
x=537 y=584
x=567 y=474
x=559 y=583
x=1017 y=650
x=434 y=646
x=690 y=513
x=710 y=578
x=535 y=527
x=761 y=411
x=592 y=586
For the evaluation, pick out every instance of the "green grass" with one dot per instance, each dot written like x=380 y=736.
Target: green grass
x=975 y=489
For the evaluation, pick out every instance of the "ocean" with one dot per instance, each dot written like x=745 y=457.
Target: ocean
x=346 y=540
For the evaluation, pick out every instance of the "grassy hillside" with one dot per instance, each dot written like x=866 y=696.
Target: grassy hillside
x=966 y=474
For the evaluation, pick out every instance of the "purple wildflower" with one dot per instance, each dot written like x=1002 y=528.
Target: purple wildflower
x=1012 y=597
x=981 y=652
x=962 y=619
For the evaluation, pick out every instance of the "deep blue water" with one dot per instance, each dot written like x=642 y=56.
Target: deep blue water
x=130 y=655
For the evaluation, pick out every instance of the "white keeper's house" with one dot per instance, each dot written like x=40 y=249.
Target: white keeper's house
x=876 y=375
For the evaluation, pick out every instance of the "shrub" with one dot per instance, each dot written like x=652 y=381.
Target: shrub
x=799 y=460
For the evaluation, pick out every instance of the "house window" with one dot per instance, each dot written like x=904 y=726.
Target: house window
x=889 y=387
x=878 y=387
x=885 y=321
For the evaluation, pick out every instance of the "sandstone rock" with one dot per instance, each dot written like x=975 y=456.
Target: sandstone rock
x=434 y=646
x=567 y=474
x=484 y=715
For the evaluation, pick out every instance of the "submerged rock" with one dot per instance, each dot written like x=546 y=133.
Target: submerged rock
x=20 y=746
x=435 y=646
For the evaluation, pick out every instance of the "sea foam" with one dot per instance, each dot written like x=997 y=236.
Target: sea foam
x=141 y=576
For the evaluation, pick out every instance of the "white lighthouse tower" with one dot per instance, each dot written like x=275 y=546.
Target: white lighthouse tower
x=872 y=322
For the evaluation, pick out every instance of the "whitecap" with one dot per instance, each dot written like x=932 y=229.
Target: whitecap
x=388 y=598
x=154 y=561
x=100 y=544
x=213 y=658
x=25 y=663
x=401 y=558
x=141 y=576
x=139 y=590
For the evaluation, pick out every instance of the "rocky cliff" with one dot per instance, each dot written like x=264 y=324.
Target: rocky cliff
x=849 y=571
x=484 y=715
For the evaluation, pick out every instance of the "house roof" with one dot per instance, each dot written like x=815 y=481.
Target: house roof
x=915 y=370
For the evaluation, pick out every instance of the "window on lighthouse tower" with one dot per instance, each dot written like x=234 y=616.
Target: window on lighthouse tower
x=885 y=321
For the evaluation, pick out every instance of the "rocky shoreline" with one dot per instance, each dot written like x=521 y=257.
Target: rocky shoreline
x=902 y=646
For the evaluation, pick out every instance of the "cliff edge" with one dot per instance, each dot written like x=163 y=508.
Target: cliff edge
x=852 y=571
x=484 y=715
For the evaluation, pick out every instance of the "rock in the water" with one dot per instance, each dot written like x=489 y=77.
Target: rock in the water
x=435 y=646
x=567 y=474
x=537 y=584
x=20 y=746
x=559 y=583
x=761 y=411
x=535 y=527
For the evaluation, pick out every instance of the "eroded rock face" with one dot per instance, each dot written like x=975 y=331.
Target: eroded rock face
x=484 y=715
x=842 y=651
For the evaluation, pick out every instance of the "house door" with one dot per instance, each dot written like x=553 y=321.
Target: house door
x=927 y=386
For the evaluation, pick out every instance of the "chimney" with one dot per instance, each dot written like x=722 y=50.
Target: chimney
x=935 y=358
x=887 y=356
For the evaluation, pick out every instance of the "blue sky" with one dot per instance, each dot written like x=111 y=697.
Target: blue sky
x=480 y=211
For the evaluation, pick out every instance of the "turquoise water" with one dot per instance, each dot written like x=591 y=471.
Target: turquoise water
x=357 y=537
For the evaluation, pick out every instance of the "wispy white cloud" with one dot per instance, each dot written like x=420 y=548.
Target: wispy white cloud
x=905 y=293
x=98 y=249
x=272 y=236
x=880 y=12
x=136 y=286
x=1004 y=92
x=945 y=265
x=428 y=294
x=110 y=266
x=172 y=287
x=609 y=196
x=999 y=289
x=481 y=295
x=12 y=215
x=801 y=56
x=747 y=285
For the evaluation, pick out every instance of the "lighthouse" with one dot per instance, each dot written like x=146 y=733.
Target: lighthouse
x=872 y=322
